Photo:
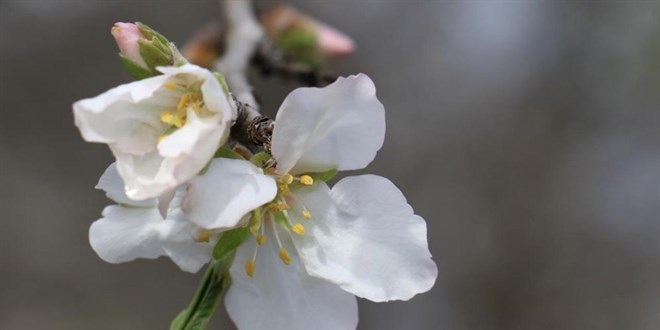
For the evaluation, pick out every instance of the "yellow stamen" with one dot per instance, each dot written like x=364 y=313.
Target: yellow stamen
x=280 y=206
x=298 y=229
x=306 y=180
x=161 y=138
x=203 y=236
x=170 y=85
x=166 y=117
x=284 y=189
x=286 y=179
x=261 y=239
x=249 y=267
x=306 y=215
x=284 y=255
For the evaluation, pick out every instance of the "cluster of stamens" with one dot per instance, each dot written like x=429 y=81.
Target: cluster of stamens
x=177 y=117
x=278 y=212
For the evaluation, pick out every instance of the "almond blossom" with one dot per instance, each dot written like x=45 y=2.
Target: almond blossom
x=162 y=130
x=360 y=238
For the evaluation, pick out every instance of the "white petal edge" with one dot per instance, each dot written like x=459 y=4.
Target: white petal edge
x=228 y=190
x=365 y=238
x=125 y=234
x=285 y=297
x=340 y=126
x=113 y=185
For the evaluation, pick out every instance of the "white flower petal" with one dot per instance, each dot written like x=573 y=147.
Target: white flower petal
x=125 y=234
x=113 y=185
x=365 y=238
x=285 y=297
x=127 y=116
x=341 y=127
x=228 y=190
x=179 y=244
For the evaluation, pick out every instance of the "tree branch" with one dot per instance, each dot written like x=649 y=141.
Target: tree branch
x=243 y=35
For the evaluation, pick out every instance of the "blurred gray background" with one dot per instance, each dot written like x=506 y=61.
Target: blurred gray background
x=526 y=133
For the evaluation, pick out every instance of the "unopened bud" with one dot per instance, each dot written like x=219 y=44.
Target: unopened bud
x=304 y=37
x=142 y=49
x=127 y=35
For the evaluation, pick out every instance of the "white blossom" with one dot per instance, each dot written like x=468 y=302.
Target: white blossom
x=162 y=130
x=360 y=238
x=139 y=229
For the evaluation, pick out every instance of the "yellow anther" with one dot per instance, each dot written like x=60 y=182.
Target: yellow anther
x=183 y=102
x=306 y=215
x=284 y=255
x=261 y=239
x=170 y=85
x=161 y=138
x=286 y=179
x=306 y=180
x=166 y=117
x=203 y=236
x=284 y=189
x=173 y=119
x=281 y=206
x=249 y=267
x=298 y=229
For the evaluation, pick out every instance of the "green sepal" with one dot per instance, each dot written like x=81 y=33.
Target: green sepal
x=223 y=83
x=134 y=69
x=259 y=159
x=323 y=176
x=301 y=44
x=153 y=56
x=229 y=241
x=225 y=152
x=151 y=33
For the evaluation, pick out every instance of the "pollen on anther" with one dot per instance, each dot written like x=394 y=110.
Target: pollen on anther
x=298 y=229
x=203 y=236
x=286 y=179
x=306 y=215
x=261 y=239
x=284 y=255
x=306 y=180
x=170 y=85
x=249 y=267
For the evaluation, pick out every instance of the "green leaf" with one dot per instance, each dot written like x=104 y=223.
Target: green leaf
x=229 y=241
x=259 y=159
x=225 y=152
x=134 y=69
x=213 y=287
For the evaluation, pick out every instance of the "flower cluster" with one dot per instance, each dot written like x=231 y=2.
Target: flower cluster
x=313 y=248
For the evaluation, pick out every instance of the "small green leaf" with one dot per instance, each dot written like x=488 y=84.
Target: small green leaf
x=134 y=69
x=259 y=159
x=229 y=241
x=213 y=287
x=225 y=152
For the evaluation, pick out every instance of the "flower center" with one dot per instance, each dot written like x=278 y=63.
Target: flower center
x=190 y=99
x=284 y=213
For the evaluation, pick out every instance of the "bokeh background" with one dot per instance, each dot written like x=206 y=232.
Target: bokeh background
x=526 y=133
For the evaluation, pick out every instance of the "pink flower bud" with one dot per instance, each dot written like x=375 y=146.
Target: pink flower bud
x=333 y=42
x=127 y=35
